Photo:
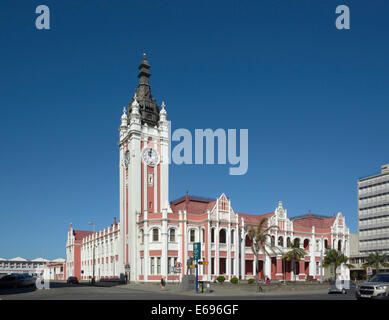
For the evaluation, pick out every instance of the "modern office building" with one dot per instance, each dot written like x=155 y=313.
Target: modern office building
x=373 y=208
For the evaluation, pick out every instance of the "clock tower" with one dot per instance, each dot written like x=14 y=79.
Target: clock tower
x=144 y=169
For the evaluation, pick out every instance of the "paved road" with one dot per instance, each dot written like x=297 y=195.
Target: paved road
x=61 y=291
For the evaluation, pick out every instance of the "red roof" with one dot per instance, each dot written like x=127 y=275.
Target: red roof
x=319 y=222
x=254 y=218
x=79 y=234
x=193 y=205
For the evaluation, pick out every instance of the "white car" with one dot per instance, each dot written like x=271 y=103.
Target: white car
x=376 y=288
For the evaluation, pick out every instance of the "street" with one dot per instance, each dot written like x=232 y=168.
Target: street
x=62 y=291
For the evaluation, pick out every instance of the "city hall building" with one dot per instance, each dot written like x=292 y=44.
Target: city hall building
x=155 y=237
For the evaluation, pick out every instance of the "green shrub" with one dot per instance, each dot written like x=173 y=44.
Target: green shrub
x=221 y=279
x=234 y=280
x=251 y=281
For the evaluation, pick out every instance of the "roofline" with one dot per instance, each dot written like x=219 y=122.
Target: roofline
x=374 y=176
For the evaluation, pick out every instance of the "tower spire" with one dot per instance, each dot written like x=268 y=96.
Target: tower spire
x=147 y=105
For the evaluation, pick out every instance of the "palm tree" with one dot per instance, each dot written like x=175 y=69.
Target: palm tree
x=335 y=258
x=258 y=237
x=294 y=254
x=376 y=260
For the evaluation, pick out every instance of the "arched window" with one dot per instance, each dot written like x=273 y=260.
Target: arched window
x=213 y=235
x=192 y=235
x=280 y=241
x=272 y=241
x=340 y=245
x=248 y=241
x=296 y=242
x=288 y=243
x=203 y=235
x=232 y=236
x=306 y=244
x=142 y=236
x=172 y=235
x=326 y=243
x=222 y=236
x=155 y=234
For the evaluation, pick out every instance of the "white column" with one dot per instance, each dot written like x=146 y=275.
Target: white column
x=312 y=249
x=217 y=247
x=228 y=259
x=236 y=244
x=209 y=248
x=243 y=251
x=267 y=266
x=180 y=241
x=164 y=231
x=146 y=249
x=185 y=242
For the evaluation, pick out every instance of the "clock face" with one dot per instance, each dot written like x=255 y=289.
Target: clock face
x=127 y=158
x=150 y=156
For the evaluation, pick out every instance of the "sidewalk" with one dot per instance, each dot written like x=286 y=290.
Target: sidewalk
x=227 y=289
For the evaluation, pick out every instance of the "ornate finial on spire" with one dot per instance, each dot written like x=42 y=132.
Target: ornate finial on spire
x=124 y=110
x=144 y=56
x=162 y=113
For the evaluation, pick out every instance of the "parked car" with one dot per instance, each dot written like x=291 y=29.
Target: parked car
x=375 y=288
x=343 y=287
x=9 y=281
x=25 y=280
x=72 y=280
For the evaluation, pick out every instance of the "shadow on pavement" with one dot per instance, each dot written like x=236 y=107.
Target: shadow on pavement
x=5 y=291
x=57 y=285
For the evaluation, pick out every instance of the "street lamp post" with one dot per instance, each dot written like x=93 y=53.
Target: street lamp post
x=93 y=276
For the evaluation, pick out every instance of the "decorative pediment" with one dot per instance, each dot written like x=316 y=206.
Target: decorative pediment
x=281 y=211
x=223 y=209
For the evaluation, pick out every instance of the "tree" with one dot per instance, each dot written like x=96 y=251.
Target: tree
x=335 y=258
x=354 y=275
x=376 y=261
x=294 y=254
x=258 y=237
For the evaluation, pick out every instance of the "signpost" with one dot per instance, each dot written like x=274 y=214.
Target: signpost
x=197 y=257
x=369 y=271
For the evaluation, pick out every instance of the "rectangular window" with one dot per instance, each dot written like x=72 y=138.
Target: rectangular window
x=155 y=234
x=151 y=179
x=192 y=236
x=172 y=235
x=232 y=266
x=169 y=265
x=152 y=265
x=222 y=265
x=142 y=266
x=175 y=261
x=212 y=265
x=159 y=265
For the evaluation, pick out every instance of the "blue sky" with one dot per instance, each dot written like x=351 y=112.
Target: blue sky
x=314 y=99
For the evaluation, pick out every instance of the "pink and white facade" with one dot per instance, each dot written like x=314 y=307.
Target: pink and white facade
x=153 y=234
